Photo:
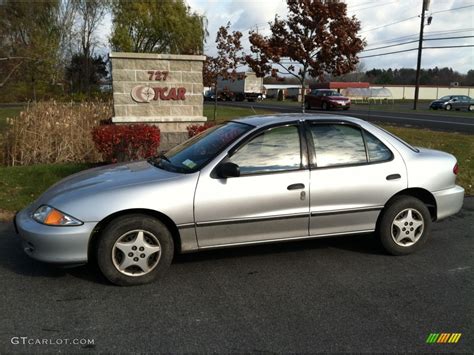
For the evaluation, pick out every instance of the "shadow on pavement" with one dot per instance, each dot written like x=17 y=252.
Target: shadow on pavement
x=14 y=259
x=364 y=244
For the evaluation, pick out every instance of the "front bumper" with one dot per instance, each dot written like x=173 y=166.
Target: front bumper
x=60 y=245
x=449 y=201
x=436 y=105
x=337 y=104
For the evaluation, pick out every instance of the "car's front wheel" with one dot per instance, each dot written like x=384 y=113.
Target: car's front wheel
x=134 y=250
x=307 y=105
x=470 y=108
x=405 y=225
x=324 y=106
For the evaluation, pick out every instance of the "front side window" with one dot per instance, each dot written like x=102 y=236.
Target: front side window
x=196 y=152
x=276 y=149
x=337 y=144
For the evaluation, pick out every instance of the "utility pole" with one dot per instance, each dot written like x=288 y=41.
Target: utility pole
x=426 y=5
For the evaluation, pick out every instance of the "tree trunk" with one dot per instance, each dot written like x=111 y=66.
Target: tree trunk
x=303 y=91
x=215 y=101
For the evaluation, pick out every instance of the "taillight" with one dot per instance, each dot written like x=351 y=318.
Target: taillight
x=456 y=169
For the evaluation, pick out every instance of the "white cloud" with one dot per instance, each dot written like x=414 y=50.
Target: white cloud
x=247 y=14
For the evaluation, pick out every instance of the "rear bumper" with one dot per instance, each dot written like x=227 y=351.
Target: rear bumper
x=449 y=201
x=60 y=245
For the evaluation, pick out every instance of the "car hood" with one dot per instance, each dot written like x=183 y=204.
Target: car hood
x=439 y=101
x=106 y=178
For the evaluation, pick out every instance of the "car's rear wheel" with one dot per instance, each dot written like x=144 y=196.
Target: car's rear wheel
x=448 y=107
x=134 y=250
x=307 y=105
x=405 y=225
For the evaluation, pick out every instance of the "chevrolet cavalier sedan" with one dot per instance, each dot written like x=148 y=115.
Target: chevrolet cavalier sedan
x=260 y=179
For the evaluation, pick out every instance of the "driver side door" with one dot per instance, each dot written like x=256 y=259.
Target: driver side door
x=268 y=201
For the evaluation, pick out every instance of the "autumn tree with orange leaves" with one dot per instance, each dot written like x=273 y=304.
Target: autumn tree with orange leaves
x=224 y=65
x=317 y=38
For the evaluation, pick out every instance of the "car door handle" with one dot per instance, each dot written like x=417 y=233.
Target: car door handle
x=393 y=177
x=295 y=187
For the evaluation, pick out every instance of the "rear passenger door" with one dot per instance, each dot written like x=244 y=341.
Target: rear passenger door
x=353 y=174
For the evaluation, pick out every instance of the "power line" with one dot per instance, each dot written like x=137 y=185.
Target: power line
x=456 y=8
x=412 y=17
x=432 y=33
x=414 y=49
x=390 y=24
x=371 y=7
x=415 y=40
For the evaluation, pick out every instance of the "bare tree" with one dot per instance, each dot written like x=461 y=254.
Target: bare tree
x=224 y=65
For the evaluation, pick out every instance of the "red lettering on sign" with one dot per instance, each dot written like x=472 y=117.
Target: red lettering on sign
x=172 y=94
x=181 y=94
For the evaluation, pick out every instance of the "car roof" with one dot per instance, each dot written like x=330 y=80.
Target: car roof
x=265 y=120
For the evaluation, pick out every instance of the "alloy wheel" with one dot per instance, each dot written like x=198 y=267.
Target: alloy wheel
x=407 y=227
x=136 y=253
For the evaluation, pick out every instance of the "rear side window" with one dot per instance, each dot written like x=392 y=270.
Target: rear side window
x=337 y=144
x=376 y=150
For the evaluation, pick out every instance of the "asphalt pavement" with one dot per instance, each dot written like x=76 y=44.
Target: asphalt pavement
x=441 y=120
x=327 y=295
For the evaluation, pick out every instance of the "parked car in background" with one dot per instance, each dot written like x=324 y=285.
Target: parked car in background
x=453 y=102
x=209 y=96
x=261 y=179
x=326 y=99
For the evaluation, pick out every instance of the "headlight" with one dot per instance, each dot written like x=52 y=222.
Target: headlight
x=52 y=217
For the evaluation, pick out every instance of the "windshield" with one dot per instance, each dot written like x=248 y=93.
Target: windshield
x=195 y=153
x=446 y=98
x=334 y=93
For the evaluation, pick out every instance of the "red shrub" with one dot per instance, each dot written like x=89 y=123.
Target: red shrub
x=126 y=142
x=196 y=129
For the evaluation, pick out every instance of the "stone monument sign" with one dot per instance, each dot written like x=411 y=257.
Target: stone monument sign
x=160 y=89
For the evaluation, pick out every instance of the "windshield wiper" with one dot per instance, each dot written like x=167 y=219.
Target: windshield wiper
x=164 y=157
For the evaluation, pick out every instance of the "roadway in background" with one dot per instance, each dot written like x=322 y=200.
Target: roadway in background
x=442 y=121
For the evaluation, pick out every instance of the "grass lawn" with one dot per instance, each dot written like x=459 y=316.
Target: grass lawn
x=21 y=185
x=225 y=113
x=8 y=112
x=460 y=145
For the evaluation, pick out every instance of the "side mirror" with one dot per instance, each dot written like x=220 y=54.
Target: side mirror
x=228 y=169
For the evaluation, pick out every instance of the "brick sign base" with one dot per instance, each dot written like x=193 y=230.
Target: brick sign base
x=160 y=89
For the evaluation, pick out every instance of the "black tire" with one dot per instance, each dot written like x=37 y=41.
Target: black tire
x=324 y=106
x=448 y=107
x=346 y=108
x=155 y=235
x=470 y=108
x=388 y=231
x=307 y=105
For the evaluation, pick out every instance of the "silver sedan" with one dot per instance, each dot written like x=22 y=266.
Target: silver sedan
x=256 y=180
